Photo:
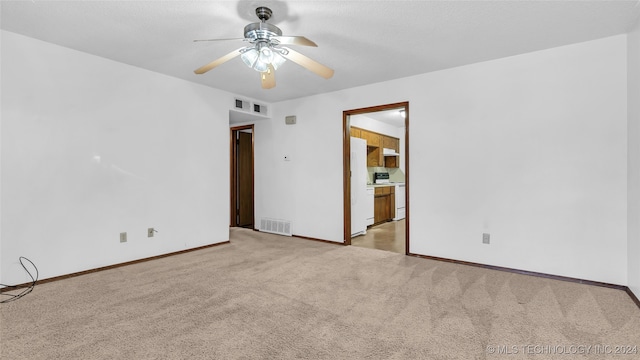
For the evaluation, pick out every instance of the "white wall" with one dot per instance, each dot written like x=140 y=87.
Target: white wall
x=530 y=148
x=633 y=86
x=91 y=148
x=301 y=190
x=1 y=86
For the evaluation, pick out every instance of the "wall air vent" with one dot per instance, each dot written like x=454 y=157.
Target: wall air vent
x=242 y=105
x=260 y=109
x=275 y=226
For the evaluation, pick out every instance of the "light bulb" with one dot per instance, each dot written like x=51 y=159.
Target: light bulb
x=249 y=57
x=260 y=65
x=277 y=60
x=266 y=55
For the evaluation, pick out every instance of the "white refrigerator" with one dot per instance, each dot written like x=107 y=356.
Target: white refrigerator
x=358 y=186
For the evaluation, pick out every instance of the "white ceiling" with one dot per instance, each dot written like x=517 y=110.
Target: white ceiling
x=363 y=41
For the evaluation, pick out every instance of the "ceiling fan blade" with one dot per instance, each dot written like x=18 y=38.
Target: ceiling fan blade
x=268 y=78
x=217 y=62
x=243 y=39
x=295 y=40
x=308 y=63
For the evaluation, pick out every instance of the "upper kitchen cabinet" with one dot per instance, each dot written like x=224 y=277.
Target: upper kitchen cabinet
x=375 y=145
x=391 y=143
x=382 y=129
x=391 y=161
x=375 y=157
x=373 y=139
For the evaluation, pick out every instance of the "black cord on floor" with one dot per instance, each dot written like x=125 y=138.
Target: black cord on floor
x=25 y=291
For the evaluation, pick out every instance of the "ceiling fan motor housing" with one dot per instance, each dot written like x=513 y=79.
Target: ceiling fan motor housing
x=263 y=13
x=261 y=31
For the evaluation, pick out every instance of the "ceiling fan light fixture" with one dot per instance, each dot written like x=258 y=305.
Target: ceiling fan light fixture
x=260 y=56
x=266 y=54
x=260 y=66
x=264 y=58
x=277 y=60
x=249 y=57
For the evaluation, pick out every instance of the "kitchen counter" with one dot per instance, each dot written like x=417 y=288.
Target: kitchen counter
x=381 y=185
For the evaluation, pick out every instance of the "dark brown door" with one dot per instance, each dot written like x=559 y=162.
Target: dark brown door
x=245 y=180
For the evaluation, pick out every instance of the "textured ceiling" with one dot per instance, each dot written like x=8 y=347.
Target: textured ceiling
x=363 y=41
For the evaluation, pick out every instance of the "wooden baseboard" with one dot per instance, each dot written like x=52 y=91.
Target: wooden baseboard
x=320 y=240
x=632 y=296
x=67 y=276
x=537 y=274
x=308 y=238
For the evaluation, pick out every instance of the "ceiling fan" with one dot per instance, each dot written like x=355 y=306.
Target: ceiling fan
x=266 y=53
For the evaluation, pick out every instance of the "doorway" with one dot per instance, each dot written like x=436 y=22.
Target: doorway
x=242 y=177
x=394 y=230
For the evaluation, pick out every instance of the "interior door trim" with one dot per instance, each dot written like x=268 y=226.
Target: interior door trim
x=346 y=161
x=233 y=222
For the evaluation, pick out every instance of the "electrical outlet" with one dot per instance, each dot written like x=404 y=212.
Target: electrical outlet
x=123 y=237
x=150 y=232
x=486 y=238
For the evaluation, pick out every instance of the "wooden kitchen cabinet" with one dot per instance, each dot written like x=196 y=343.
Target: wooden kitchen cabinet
x=375 y=145
x=391 y=162
x=380 y=205
x=391 y=143
x=375 y=157
x=376 y=140
x=373 y=139
x=384 y=204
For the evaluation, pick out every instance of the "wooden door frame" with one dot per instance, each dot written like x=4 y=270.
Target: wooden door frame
x=346 y=161
x=233 y=220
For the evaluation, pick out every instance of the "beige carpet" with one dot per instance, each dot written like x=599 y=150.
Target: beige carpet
x=270 y=297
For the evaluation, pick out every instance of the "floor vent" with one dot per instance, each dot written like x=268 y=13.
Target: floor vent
x=281 y=227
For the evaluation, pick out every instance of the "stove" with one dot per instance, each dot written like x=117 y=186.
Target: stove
x=381 y=178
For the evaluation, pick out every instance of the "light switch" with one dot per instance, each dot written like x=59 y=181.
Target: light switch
x=486 y=238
